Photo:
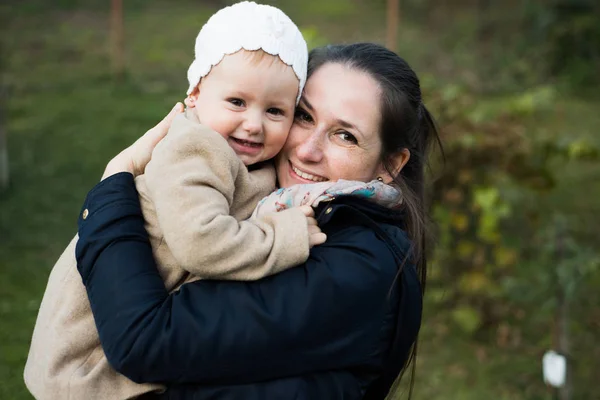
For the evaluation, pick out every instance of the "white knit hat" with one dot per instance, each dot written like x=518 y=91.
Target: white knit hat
x=248 y=26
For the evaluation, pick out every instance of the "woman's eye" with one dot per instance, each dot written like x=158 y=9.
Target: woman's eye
x=302 y=116
x=236 y=102
x=275 y=111
x=347 y=137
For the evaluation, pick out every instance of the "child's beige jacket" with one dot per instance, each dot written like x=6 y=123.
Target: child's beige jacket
x=196 y=196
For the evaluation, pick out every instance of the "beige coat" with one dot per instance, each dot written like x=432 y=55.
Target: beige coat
x=196 y=196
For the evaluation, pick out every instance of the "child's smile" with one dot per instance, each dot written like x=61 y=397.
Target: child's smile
x=249 y=98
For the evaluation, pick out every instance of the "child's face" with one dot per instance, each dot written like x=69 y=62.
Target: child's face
x=250 y=101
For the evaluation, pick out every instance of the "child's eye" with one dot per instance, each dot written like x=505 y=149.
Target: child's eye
x=302 y=116
x=236 y=102
x=275 y=111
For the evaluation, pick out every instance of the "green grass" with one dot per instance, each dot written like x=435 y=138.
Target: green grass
x=67 y=117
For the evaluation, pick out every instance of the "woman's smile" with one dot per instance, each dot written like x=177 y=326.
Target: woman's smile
x=304 y=176
x=336 y=131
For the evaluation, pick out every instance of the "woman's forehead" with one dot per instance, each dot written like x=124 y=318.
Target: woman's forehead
x=345 y=93
x=344 y=77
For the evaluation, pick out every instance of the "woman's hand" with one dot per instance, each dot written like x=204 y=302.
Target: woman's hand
x=135 y=157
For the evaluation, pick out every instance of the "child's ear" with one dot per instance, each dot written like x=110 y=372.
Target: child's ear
x=190 y=101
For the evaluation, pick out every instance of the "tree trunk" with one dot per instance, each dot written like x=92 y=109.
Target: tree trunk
x=4 y=167
x=484 y=30
x=392 y=15
x=3 y=143
x=117 y=39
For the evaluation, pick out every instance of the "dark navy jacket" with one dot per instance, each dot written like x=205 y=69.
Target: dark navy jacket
x=339 y=326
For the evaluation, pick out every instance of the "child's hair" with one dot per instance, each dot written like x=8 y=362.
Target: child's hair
x=249 y=26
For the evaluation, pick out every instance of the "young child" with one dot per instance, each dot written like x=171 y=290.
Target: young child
x=198 y=195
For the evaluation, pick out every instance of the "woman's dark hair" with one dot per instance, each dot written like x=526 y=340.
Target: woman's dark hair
x=405 y=124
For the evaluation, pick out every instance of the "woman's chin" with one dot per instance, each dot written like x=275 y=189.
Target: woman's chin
x=284 y=174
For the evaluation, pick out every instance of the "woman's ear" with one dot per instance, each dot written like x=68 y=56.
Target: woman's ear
x=190 y=101
x=397 y=162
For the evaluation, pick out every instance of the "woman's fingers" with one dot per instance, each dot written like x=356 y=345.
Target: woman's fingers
x=134 y=158
x=157 y=133
x=164 y=125
x=141 y=151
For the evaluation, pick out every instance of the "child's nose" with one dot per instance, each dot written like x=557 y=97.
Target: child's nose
x=253 y=123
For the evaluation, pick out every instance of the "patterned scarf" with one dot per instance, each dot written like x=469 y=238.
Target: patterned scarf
x=313 y=194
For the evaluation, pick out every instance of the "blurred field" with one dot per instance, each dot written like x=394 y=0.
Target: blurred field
x=67 y=116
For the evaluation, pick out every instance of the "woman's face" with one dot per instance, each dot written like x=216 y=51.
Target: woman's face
x=335 y=134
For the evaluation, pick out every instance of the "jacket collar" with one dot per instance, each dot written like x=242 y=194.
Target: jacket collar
x=378 y=213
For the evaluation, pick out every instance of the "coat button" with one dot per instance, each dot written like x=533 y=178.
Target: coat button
x=328 y=210
x=85 y=214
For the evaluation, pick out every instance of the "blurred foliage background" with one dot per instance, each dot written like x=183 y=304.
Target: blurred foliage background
x=513 y=84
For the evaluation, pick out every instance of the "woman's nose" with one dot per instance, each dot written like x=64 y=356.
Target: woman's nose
x=311 y=149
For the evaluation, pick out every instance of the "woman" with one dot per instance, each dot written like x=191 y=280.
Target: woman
x=342 y=325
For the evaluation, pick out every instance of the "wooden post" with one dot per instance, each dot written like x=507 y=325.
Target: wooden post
x=562 y=319
x=483 y=15
x=392 y=15
x=117 y=39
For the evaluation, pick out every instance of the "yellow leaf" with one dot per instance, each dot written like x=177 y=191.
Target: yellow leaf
x=474 y=282
x=505 y=257
x=467 y=318
x=460 y=222
x=465 y=249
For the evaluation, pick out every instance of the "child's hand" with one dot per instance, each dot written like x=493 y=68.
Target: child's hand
x=315 y=236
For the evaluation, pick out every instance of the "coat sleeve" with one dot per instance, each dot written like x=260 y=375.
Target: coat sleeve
x=191 y=180
x=324 y=315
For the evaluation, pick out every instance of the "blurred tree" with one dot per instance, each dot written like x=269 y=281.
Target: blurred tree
x=484 y=30
x=487 y=156
x=3 y=143
x=117 y=39
x=392 y=15
x=557 y=39
x=4 y=174
x=564 y=264
x=574 y=40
